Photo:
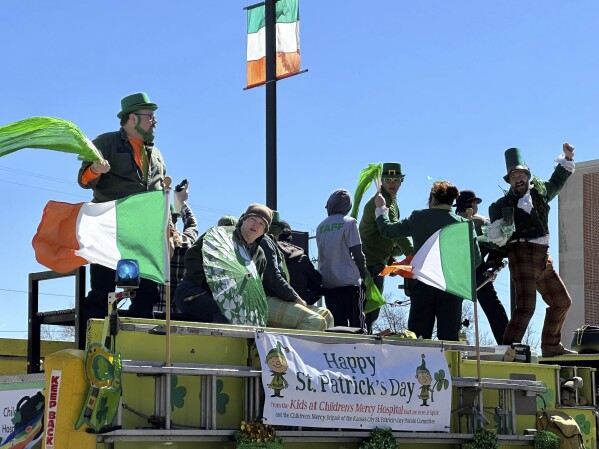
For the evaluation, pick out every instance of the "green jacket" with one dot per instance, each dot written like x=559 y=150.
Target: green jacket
x=124 y=177
x=377 y=248
x=420 y=225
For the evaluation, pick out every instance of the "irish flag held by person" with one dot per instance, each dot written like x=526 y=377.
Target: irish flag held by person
x=71 y=235
x=445 y=261
x=287 y=41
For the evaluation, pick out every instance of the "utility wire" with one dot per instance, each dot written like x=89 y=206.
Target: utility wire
x=45 y=294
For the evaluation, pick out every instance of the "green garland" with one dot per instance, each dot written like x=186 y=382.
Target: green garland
x=257 y=435
x=546 y=440
x=380 y=439
x=483 y=439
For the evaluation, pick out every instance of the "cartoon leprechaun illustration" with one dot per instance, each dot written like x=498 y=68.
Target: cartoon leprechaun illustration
x=277 y=362
x=424 y=378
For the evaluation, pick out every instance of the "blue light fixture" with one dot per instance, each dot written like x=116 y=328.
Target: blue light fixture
x=127 y=273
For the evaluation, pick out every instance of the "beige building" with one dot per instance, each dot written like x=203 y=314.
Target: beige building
x=578 y=215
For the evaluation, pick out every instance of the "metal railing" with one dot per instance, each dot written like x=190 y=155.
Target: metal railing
x=64 y=317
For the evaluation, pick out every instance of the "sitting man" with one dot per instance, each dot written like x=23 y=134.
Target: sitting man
x=209 y=291
x=286 y=308
x=305 y=279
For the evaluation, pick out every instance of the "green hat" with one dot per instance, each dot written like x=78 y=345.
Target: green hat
x=277 y=352
x=514 y=161
x=276 y=226
x=227 y=220
x=276 y=217
x=392 y=169
x=135 y=102
x=422 y=368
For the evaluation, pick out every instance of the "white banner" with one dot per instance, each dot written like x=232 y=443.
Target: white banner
x=357 y=386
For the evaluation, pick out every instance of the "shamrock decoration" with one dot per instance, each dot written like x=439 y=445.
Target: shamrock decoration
x=440 y=382
x=222 y=399
x=585 y=426
x=102 y=410
x=177 y=393
x=549 y=397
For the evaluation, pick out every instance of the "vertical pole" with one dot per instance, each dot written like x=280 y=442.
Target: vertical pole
x=167 y=276
x=34 y=328
x=471 y=235
x=80 y=326
x=271 y=103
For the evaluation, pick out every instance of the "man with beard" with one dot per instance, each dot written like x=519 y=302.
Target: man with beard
x=132 y=164
x=378 y=250
x=531 y=266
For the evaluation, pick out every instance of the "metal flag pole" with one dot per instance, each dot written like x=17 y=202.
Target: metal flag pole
x=473 y=290
x=270 y=29
x=270 y=82
x=167 y=287
x=167 y=266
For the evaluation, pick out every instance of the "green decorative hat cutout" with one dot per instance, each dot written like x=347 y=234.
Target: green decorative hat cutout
x=136 y=102
x=422 y=368
x=514 y=161
x=392 y=169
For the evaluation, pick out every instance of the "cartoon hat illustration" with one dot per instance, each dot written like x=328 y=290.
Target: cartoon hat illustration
x=422 y=368
x=277 y=352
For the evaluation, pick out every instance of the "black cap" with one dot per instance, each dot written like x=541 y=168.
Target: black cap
x=465 y=198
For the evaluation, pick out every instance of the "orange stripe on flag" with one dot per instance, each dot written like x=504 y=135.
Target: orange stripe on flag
x=287 y=64
x=55 y=242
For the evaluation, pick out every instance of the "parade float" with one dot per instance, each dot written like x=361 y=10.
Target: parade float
x=150 y=383
x=329 y=390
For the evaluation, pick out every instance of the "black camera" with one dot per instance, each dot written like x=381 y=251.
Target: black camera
x=179 y=187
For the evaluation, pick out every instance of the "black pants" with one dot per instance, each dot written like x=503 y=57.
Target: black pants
x=379 y=281
x=95 y=304
x=198 y=302
x=428 y=303
x=492 y=306
x=347 y=305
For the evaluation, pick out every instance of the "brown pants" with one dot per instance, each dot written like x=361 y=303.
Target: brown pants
x=531 y=269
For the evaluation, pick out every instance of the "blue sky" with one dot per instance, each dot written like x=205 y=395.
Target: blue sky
x=442 y=87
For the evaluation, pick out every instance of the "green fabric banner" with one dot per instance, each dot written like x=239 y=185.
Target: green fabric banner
x=47 y=133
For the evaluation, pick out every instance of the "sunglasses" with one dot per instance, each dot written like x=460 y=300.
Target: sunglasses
x=396 y=179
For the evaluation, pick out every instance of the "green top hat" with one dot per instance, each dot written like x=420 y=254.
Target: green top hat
x=392 y=169
x=276 y=217
x=135 y=102
x=514 y=161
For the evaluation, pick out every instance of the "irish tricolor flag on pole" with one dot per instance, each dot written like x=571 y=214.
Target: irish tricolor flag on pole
x=445 y=261
x=71 y=235
x=288 y=44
